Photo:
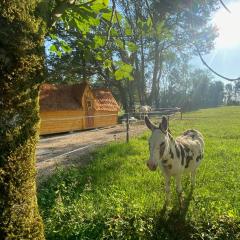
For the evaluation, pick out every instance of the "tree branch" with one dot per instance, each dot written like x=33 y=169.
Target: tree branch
x=219 y=75
x=111 y=21
x=120 y=30
x=225 y=6
x=204 y=62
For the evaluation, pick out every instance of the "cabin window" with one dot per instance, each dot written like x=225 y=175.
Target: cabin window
x=89 y=104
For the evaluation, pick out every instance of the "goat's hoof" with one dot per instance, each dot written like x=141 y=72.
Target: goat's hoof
x=181 y=199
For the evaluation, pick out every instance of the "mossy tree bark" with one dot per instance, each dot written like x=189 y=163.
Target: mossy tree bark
x=21 y=70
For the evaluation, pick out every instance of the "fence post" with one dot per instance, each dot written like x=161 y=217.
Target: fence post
x=127 y=132
x=181 y=113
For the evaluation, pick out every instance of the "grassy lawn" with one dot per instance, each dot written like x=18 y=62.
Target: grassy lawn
x=117 y=197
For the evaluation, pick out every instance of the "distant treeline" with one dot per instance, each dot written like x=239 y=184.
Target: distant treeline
x=198 y=90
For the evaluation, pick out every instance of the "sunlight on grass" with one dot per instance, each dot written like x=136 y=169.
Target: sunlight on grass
x=116 y=197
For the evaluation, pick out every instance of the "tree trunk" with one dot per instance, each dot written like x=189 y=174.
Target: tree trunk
x=130 y=90
x=123 y=95
x=21 y=69
x=158 y=83
x=137 y=78
x=143 y=83
x=154 y=90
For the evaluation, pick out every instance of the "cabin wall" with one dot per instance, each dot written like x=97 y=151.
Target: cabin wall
x=67 y=121
x=61 y=121
x=102 y=121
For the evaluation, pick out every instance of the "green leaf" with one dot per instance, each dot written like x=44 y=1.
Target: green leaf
x=119 y=16
x=114 y=32
x=140 y=23
x=119 y=43
x=124 y=71
x=53 y=36
x=98 y=56
x=82 y=26
x=65 y=47
x=59 y=53
x=132 y=47
x=128 y=31
x=107 y=16
x=53 y=48
x=93 y=21
x=149 y=22
x=99 y=41
x=98 y=6
x=107 y=64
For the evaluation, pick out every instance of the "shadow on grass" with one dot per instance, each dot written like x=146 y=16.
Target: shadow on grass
x=172 y=224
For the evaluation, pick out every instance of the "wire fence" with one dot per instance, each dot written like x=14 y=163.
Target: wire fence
x=134 y=117
x=126 y=127
x=79 y=117
x=126 y=119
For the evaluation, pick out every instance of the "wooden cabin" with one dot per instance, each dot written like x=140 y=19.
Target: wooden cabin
x=65 y=108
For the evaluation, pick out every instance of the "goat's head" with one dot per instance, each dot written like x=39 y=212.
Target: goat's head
x=158 y=143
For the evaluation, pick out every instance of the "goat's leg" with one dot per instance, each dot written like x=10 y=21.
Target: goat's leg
x=167 y=188
x=178 y=184
x=179 y=189
x=193 y=175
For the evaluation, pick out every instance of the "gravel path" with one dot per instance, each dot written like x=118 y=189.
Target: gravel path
x=70 y=149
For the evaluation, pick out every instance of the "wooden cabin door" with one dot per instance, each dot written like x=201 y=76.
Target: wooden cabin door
x=89 y=113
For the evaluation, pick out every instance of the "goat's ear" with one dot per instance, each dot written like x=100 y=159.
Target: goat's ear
x=164 y=124
x=149 y=123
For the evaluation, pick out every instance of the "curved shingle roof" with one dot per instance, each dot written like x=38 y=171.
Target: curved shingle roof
x=69 y=97
x=61 y=97
x=105 y=100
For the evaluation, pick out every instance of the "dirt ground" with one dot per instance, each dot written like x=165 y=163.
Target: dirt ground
x=71 y=148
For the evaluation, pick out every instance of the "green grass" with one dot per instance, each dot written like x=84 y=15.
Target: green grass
x=117 y=197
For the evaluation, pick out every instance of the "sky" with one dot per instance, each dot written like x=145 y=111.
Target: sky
x=225 y=58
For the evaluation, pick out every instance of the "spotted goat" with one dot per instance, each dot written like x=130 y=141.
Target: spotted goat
x=174 y=157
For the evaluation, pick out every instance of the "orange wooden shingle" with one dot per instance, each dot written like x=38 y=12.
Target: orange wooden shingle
x=61 y=97
x=104 y=100
x=69 y=97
